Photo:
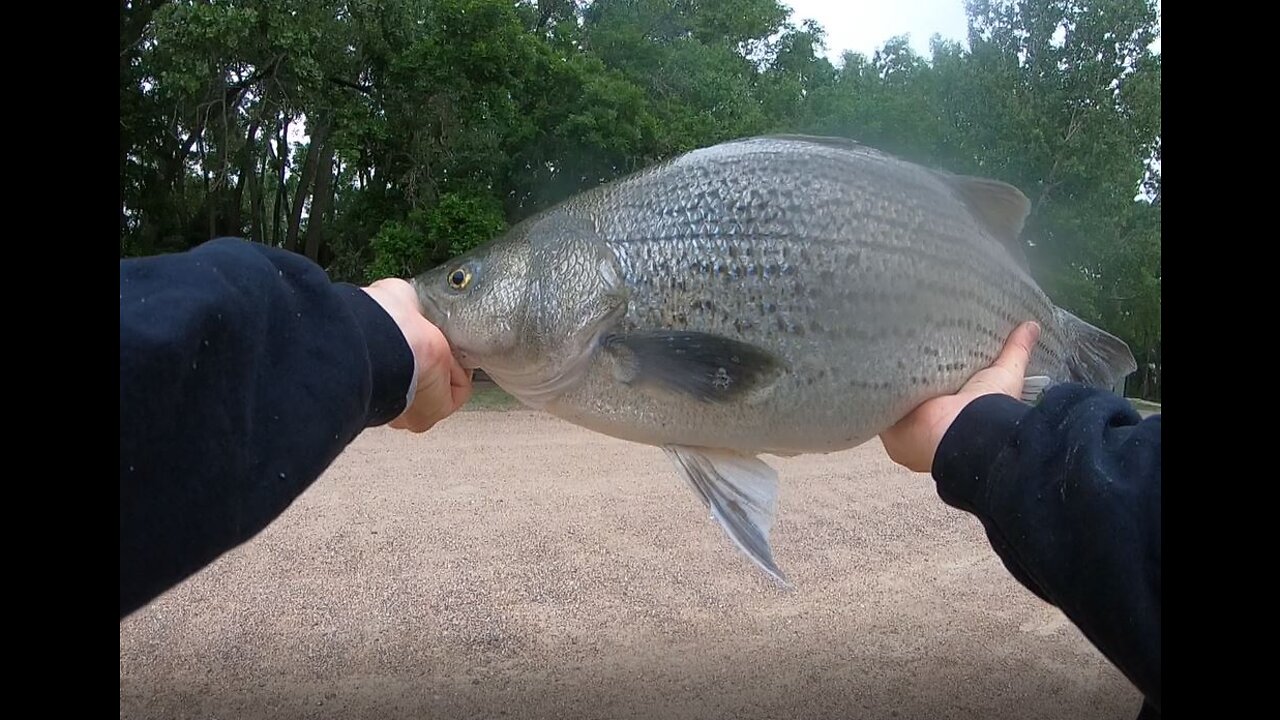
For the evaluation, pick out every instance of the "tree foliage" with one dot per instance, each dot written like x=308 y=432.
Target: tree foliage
x=379 y=137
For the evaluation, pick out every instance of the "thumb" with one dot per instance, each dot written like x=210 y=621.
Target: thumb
x=1017 y=351
x=1009 y=370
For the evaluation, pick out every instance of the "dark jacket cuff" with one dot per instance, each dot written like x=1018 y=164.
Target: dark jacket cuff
x=391 y=363
x=971 y=446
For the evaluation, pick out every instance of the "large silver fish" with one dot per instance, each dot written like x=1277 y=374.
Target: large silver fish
x=774 y=295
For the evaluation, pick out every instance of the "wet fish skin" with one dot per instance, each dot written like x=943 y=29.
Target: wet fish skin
x=776 y=295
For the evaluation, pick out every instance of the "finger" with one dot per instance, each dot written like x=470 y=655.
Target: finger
x=460 y=397
x=460 y=385
x=1008 y=372
x=1016 y=354
x=458 y=376
x=420 y=419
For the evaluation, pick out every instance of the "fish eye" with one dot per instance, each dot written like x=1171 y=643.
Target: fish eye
x=459 y=279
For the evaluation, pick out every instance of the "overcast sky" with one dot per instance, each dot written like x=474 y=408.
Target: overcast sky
x=865 y=25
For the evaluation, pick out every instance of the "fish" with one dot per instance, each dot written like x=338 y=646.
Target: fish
x=770 y=295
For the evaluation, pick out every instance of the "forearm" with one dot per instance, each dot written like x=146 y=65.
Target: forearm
x=1069 y=493
x=244 y=371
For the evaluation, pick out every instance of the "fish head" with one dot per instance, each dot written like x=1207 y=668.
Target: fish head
x=477 y=300
x=528 y=307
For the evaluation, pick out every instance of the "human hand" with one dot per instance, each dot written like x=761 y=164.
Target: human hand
x=443 y=386
x=914 y=440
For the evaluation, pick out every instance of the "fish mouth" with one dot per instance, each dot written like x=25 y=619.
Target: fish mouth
x=438 y=316
x=429 y=308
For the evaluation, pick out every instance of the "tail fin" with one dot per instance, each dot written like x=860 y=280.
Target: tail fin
x=1095 y=357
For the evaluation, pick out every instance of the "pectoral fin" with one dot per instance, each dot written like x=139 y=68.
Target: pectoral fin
x=709 y=368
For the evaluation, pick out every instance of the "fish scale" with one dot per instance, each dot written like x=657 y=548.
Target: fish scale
x=777 y=295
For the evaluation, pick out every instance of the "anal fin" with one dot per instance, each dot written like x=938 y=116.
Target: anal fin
x=742 y=493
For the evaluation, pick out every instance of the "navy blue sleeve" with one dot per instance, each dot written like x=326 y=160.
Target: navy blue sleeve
x=1069 y=494
x=244 y=372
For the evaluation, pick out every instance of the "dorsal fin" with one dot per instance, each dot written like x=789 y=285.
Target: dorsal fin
x=1000 y=207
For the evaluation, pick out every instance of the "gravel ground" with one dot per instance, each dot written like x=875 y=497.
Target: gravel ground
x=509 y=565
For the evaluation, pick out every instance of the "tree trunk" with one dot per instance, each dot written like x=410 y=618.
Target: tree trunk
x=173 y=183
x=235 y=209
x=321 y=202
x=209 y=205
x=318 y=140
x=281 y=202
x=257 y=205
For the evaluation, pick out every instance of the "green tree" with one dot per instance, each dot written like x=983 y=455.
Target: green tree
x=428 y=125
